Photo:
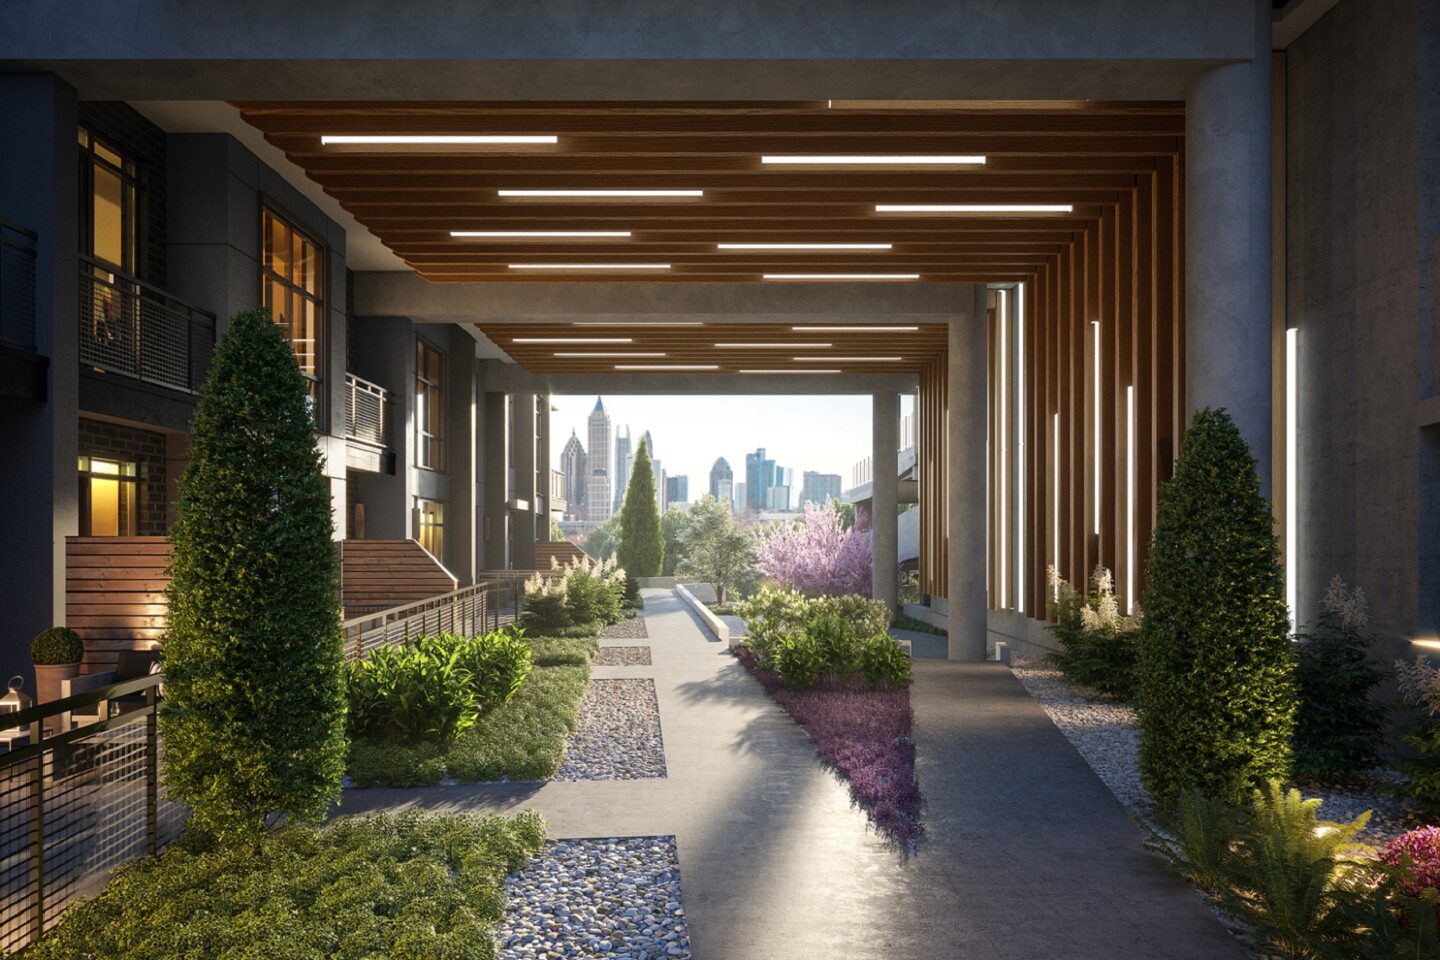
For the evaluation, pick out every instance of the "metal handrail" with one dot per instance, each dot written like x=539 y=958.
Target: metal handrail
x=367 y=414
x=17 y=285
x=487 y=604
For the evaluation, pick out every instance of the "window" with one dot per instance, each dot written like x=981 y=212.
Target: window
x=108 y=495
x=430 y=526
x=107 y=204
x=293 y=280
x=429 y=406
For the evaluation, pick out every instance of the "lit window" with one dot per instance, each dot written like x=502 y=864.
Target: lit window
x=293 y=281
x=430 y=526
x=109 y=493
x=429 y=406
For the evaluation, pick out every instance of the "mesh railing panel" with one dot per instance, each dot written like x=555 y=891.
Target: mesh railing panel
x=17 y=287
x=366 y=414
x=470 y=610
x=130 y=328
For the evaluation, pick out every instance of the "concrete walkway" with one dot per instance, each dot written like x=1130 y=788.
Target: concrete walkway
x=1027 y=855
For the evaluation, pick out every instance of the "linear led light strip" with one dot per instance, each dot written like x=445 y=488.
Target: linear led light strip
x=772 y=346
x=612 y=355
x=1095 y=401
x=637 y=323
x=805 y=246
x=787 y=372
x=570 y=340
x=1292 y=468
x=974 y=208
x=589 y=266
x=1004 y=444
x=1020 y=444
x=1130 y=499
x=854 y=329
x=848 y=359
x=841 y=276
x=406 y=139
x=601 y=193
x=875 y=160
x=667 y=366
x=1055 y=494
x=536 y=234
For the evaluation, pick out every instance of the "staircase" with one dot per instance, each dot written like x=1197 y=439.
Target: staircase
x=561 y=551
x=377 y=574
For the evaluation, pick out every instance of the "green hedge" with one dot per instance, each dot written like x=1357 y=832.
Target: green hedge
x=1217 y=689
x=409 y=887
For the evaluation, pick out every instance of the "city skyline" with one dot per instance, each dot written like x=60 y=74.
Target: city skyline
x=807 y=434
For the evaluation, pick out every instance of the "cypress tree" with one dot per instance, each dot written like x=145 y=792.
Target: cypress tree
x=1217 y=687
x=254 y=712
x=642 y=547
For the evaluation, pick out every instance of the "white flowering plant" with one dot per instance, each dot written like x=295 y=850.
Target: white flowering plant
x=1419 y=684
x=1097 y=641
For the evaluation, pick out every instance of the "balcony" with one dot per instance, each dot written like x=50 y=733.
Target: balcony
x=367 y=426
x=22 y=370
x=131 y=328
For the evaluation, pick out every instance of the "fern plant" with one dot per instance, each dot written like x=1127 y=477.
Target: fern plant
x=1201 y=840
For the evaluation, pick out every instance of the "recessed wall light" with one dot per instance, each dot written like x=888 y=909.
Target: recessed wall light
x=974 y=208
x=848 y=359
x=856 y=328
x=667 y=366
x=772 y=346
x=612 y=355
x=565 y=340
x=602 y=193
x=877 y=159
x=589 y=266
x=841 y=276
x=427 y=139
x=790 y=371
x=805 y=246
x=535 y=234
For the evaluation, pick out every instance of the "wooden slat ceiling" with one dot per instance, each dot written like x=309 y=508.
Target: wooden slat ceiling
x=717 y=344
x=1089 y=155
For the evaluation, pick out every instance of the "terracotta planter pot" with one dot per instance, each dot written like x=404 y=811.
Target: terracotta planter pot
x=48 y=677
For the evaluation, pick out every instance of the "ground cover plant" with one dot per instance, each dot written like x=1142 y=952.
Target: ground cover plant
x=406 y=887
x=1097 y=644
x=865 y=735
x=522 y=738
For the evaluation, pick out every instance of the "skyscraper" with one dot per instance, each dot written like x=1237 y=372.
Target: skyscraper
x=779 y=495
x=598 y=492
x=738 y=500
x=624 y=457
x=677 y=490
x=759 y=478
x=722 y=478
x=577 y=478
x=819 y=488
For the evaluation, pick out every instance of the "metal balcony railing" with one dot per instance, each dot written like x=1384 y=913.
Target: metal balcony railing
x=135 y=329
x=17 y=286
x=367 y=412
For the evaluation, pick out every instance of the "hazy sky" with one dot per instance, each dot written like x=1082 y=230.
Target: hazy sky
x=825 y=434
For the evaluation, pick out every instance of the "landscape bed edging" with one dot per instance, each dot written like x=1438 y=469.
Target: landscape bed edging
x=714 y=624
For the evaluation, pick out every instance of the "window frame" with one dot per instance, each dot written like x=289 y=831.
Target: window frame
x=128 y=173
x=435 y=528
x=319 y=382
x=423 y=438
x=125 y=479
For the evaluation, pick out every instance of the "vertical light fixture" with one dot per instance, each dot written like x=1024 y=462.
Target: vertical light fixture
x=1002 y=328
x=1130 y=499
x=1095 y=401
x=1055 y=494
x=1020 y=445
x=1292 y=483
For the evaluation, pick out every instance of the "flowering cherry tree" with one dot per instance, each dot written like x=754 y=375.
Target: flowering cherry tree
x=814 y=554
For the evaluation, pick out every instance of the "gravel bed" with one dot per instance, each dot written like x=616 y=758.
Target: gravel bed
x=617 y=736
x=622 y=657
x=1106 y=734
x=617 y=898
x=632 y=629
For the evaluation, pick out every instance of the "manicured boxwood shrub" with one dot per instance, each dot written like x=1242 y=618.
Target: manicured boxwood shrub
x=57 y=645
x=254 y=713
x=409 y=887
x=1217 y=688
x=806 y=640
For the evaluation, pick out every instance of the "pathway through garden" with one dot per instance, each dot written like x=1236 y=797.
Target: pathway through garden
x=1026 y=853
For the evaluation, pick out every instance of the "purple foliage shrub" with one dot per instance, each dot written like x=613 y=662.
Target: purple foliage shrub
x=814 y=554
x=1422 y=847
x=865 y=735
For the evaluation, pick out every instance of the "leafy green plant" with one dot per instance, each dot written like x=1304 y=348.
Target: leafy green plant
x=1217 y=691
x=770 y=615
x=1398 y=925
x=861 y=615
x=407 y=887
x=1203 y=833
x=497 y=664
x=1340 y=727
x=836 y=642
x=57 y=645
x=715 y=548
x=799 y=659
x=883 y=662
x=543 y=606
x=594 y=592
x=1420 y=687
x=641 y=551
x=418 y=691
x=1097 y=644
x=254 y=713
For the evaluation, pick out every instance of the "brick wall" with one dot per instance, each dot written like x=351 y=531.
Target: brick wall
x=124 y=128
x=145 y=449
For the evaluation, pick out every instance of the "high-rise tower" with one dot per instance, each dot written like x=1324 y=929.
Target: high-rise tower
x=598 y=492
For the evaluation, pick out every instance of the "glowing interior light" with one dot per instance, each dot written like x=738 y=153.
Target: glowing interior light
x=1130 y=499
x=805 y=246
x=1095 y=400
x=974 y=208
x=1004 y=447
x=876 y=160
x=1020 y=445
x=1292 y=471
x=536 y=234
x=589 y=266
x=601 y=193
x=400 y=140
x=841 y=276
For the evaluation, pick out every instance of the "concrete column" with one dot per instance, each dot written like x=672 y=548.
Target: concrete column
x=495 y=527
x=885 y=493
x=542 y=468
x=460 y=462
x=38 y=191
x=965 y=479
x=1227 y=244
x=522 y=452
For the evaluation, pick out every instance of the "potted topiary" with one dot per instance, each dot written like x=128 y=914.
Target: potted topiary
x=57 y=653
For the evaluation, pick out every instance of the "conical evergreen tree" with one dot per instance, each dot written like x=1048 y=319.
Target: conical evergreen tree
x=1217 y=673
x=254 y=712
x=642 y=547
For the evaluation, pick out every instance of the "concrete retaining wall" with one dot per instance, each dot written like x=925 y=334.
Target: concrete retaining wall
x=714 y=624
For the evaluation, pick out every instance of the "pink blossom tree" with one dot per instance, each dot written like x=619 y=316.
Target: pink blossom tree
x=814 y=554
